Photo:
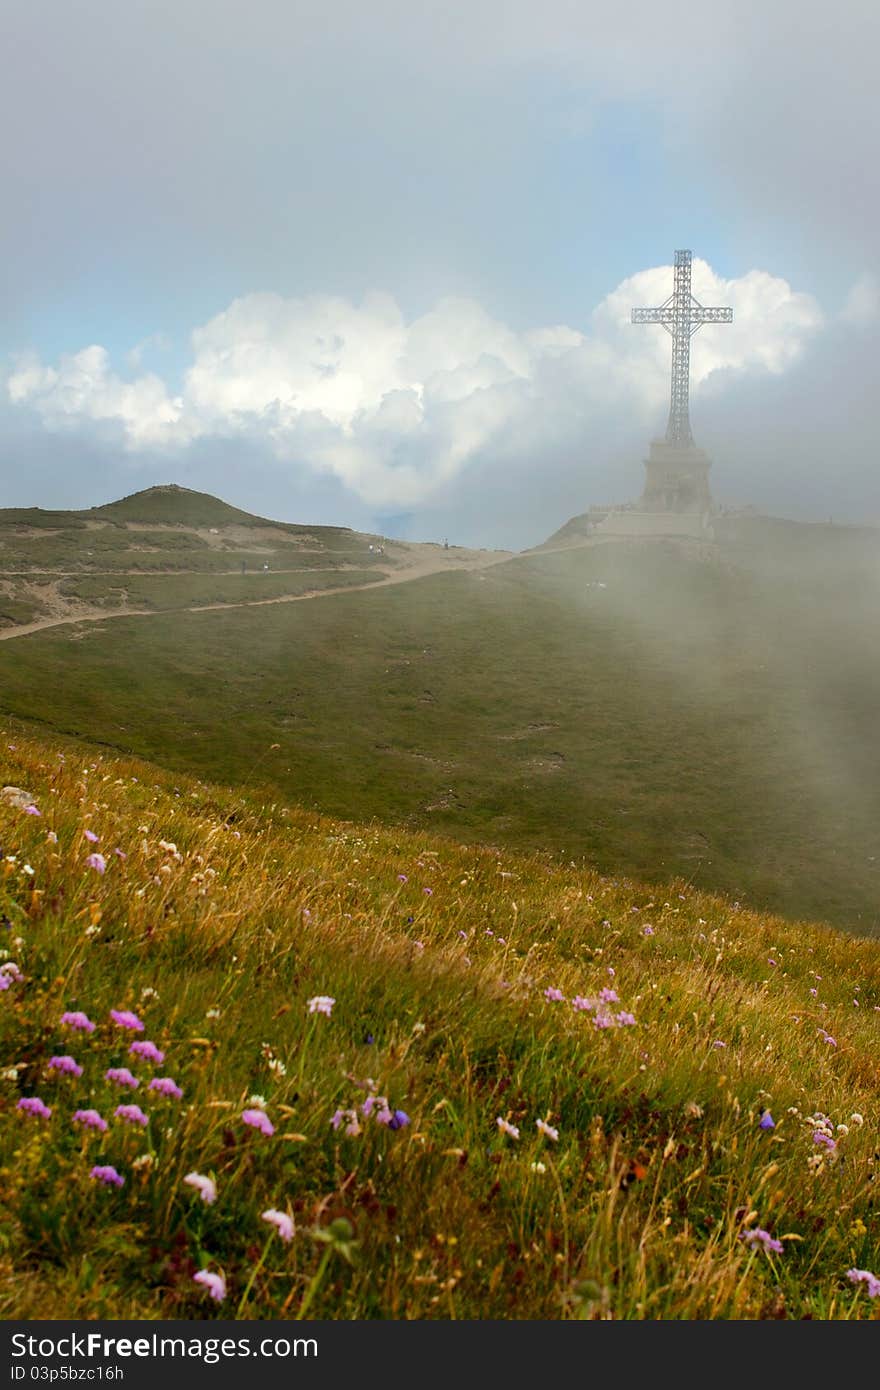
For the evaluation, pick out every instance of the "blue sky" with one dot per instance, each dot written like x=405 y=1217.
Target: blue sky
x=520 y=161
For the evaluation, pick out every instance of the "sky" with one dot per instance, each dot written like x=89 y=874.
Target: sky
x=373 y=265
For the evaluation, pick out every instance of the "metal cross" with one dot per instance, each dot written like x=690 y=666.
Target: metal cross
x=681 y=316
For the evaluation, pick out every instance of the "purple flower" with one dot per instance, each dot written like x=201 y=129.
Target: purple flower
x=121 y=1076
x=32 y=811
x=131 y=1114
x=79 y=1021
x=719 y=1043
x=32 y=1105
x=5 y=982
x=258 y=1119
x=764 y=1238
x=214 y=1283
x=766 y=1121
x=399 y=1119
x=554 y=995
x=582 y=1004
x=625 y=1020
x=90 y=1118
x=647 y=929
x=429 y=891
x=124 y=1018
x=107 y=1175
x=165 y=1086
x=97 y=861
x=65 y=1064
x=402 y=878
x=823 y=1139
x=864 y=1276
x=609 y=996
x=91 y=836
x=142 y=1047
x=281 y=1221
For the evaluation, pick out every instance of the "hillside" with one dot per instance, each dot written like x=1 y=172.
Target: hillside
x=169 y=548
x=398 y=1078
x=665 y=709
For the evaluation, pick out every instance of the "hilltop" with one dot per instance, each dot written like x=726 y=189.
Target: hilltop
x=375 y=1074
x=169 y=548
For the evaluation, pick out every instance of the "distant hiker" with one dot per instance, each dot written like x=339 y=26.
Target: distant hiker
x=445 y=544
x=244 y=566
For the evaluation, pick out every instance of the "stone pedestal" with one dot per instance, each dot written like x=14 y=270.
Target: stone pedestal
x=676 y=479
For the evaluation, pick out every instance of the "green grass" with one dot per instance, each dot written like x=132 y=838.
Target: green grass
x=227 y=915
x=709 y=715
x=167 y=592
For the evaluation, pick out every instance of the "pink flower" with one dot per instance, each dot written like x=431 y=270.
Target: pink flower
x=625 y=1020
x=32 y=1105
x=65 y=1064
x=609 y=996
x=107 y=1175
x=79 y=1021
x=97 y=861
x=121 y=1076
x=763 y=1238
x=547 y=1130
x=258 y=1119
x=165 y=1086
x=582 y=1004
x=214 y=1283
x=90 y=1118
x=124 y=1018
x=281 y=1221
x=554 y=995
x=142 y=1047
x=205 y=1187
x=32 y=811
x=91 y=836
x=321 y=1004
x=131 y=1114
x=507 y=1128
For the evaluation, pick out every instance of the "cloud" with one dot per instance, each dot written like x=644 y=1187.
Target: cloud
x=398 y=410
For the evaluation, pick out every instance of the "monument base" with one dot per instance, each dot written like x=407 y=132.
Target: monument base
x=676 y=479
x=637 y=523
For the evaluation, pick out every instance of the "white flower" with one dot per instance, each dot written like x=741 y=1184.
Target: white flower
x=507 y=1128
x=857 y=1119
x=322 y=1004
x=205 y=1187
x=281 y=1221
x=547 y=1130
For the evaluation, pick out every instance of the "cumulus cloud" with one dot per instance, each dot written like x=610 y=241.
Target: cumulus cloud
x=395 y=410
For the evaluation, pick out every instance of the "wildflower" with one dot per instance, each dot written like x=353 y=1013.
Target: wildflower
x=766 y=1121
x=32 y=1105
x=149 y=993
x=864 y=1276
x=397 y=1119
x=143 y=1161
x=65 y=1064
x=719 y=1043
x=212 y=1013
x=547 y=1130
x=32 y=811
x=507 y=1128
x=124 y=1018
x=121 y=1076
x=10 y=971
x=91 y=836
x=764 y=1238
x=581 y=1003
x=258 y=1119
x=825 y=1140
x=142 y=1047
x=120 y=853
x=90 y=1118
x=554 y=995
x=321 y=1004
x=107 y=1175
x=402 y=878
x=625 y=1020
x=843 y=1129
x=79 y=1021
x=609 y=996
x=648 y=930
x=131 y=1114
x=165 y=1086
x=281 y=1221
x=205 y=1187
x=97 y=861
x=857 y=1119
x=428 y=891
x=538 y=1167
x=214 y=1283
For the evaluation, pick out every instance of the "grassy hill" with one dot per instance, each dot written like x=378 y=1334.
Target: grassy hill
x=665 y=709
x=705 y=1076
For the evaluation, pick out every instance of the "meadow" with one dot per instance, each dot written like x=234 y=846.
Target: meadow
x=259 y=1063
x=657 y=711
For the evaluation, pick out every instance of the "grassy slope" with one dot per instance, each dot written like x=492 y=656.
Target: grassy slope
x=226 y=916
x=712 y=718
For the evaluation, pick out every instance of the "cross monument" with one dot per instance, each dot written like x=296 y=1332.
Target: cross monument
x=677 y=471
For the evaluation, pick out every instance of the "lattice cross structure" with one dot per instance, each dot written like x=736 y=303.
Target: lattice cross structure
x=681 y=315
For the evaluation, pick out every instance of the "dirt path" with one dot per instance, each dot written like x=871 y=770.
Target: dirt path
x=420 y=568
